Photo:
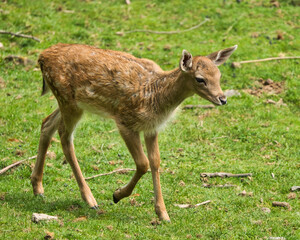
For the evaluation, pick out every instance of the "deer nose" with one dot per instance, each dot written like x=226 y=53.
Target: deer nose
x=223 y=100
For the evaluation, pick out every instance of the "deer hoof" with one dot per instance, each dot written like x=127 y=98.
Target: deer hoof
x=95 y=207
x=115 y=199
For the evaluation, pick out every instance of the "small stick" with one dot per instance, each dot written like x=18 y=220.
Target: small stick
x=20 y=35
x=222 y=174
x=124 y=170
x=237 y=64
x=191 y=205
x=203 y=203
x=218 y=186
x=169 y=32
x=3 y=170
x=198 y=106
x=282 y=204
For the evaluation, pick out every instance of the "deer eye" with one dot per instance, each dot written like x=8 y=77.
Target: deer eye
x=200 y=80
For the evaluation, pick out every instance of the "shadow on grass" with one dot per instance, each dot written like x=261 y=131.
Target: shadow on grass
x=28 y=203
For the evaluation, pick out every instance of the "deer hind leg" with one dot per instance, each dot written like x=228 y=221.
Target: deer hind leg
x=134 y=145
x=154 y=159
x=65 y=130
x=49 y=127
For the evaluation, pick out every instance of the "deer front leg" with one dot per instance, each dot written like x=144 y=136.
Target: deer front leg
x=134 y=145
x=154 y=159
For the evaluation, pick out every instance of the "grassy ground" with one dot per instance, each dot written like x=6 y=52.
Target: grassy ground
x=247 y=135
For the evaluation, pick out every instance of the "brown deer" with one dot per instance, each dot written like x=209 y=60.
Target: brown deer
x=135 y=92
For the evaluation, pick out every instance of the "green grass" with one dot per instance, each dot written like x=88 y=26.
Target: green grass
x=247 y=135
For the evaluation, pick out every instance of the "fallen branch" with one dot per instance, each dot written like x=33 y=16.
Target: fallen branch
x=282 y=204
x=167 y=32
x=198 y=106
x=238 y=64
x=222 y=174
x=16 y=164
x=20 y=35
x=191 y=205
x=218 y=186
x=121 y=171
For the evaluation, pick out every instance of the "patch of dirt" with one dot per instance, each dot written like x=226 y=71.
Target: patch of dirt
x=268 y=87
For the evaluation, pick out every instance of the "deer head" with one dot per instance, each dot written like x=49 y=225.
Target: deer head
x=203 y=75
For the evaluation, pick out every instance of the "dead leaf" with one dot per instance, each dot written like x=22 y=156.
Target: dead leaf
x=275 y=3
x=132 y=202
x=19 y=152
x=13 y=140
x=254 y=35
x=280 y=35
x=120 y=34
x=101 y=211
x=79 y=219
x=181 y=183
x=2 y=196
x=51 y=155
x=266 y=210
x=18 y=97
x=95 y=167
x=110 y=227
x=155 y=222
x=110 y=146
x=257 y=222
x=115 y=162
x=55 y=140
x=246 y=194
x=292 y=195
x=2 y=83
x=1 y=45
x=167 y=47
x=49 y=235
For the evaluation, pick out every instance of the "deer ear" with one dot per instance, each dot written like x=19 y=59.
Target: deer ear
x=186 y=61
x=221 y=56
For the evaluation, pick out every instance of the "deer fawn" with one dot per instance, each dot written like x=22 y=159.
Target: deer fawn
x=135 y=92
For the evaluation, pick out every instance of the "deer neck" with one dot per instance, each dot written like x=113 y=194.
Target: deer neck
x=167 y=91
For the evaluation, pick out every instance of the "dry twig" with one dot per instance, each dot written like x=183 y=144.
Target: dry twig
x=222 y=175
x=218 y=186
x=20 y=35
x=121 y=171
x=238 y=64
x=191 y=205
x=198 y=106
x=168 y=32
x=3 y=170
